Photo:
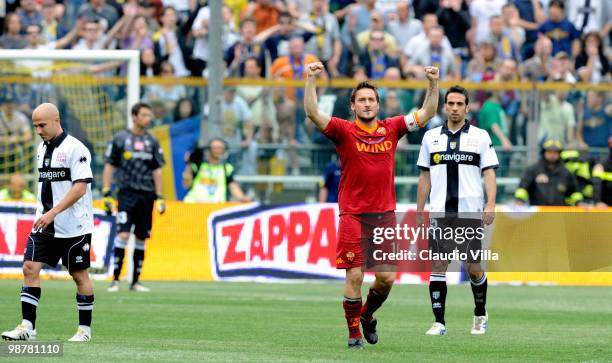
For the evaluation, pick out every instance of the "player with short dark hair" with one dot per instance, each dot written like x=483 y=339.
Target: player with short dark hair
x=453 y=160
x=133 y=160
x=63 y=225
x=366 y=150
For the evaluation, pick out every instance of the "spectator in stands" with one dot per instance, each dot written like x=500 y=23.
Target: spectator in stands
x=264 y=12
x=49 y=23
x=326 y=43
x=482 y=67
x=391 y=105
x=377 y=25
x=12 y=37
x=536 y=68
x=548 y=182
x=149 y=66
x=375 y=57
x=137 y=34
x=393 y=74
x=507 y=48
x=481 y=12
x=424 y=7
x=277 y=37
x=590 y=15
x=357 y=15
x=209 y=178
x=454 y=17
x=328 y=190
x=169 y=43
x=258 y=98
x=29 y=14
x=15 y=134
x=564 y=35
x=92 y=36
x=184 y=109
x=531 y=14
x=557 y=118
x=404 y=27
x=511 y=99
x=494 y=120
x=101 y=11
x=592 y=63
x=420 y=41
x=247 y=46
x=237 y=123
x=511 y=21
x=16 y=191
x=167 y=92
x=595 y=122
x=434 y=53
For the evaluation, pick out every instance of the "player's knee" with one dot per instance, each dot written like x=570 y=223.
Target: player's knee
x=30 y=271
x=386 y=280
x=124 y=236
x=354 y=277
x=439 y=266
x=80 y=277
x=475 y=275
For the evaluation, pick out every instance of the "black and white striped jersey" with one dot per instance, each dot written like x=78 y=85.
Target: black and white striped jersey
x=62 y=162
x=456 y=162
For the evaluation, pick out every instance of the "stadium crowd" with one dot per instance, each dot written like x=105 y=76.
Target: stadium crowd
x=469 y=40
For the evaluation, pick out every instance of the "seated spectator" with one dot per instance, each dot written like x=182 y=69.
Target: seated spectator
x=482 y=67
x=12 y=38
x=592 y=63
x=421 y=41
x=536 y=68
x=595 y=123
x=169 y=43
x=49 y=23
x=561 y=68
x=16 y=191
x=166 y=92
x=548 y=182
x=184 y=109
x=563 y=34
x=378 y=24
x=375 y=57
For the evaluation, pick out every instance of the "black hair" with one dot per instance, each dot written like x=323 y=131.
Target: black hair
x=458 y=89
x=138 y=106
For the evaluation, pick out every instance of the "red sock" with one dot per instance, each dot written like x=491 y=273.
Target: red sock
x=352 y=311
x=373 y=302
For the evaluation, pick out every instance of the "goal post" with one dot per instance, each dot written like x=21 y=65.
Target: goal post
x=94 y=102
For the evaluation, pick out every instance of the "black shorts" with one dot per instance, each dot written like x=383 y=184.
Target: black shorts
x=74 y=251
x=452 y=233
x=135 y=209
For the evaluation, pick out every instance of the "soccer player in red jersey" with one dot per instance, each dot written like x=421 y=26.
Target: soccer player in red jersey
x=366 y=149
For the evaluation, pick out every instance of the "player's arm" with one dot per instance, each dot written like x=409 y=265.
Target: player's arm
x=157 y=182
x=423 y=189
x=319 y=118
x=430 y=104
x=490 y=185
x=107 y=177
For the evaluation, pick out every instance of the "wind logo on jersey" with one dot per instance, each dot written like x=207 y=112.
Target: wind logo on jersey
x=379 y=145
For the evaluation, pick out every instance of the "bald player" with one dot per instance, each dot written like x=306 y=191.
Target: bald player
x=63 y=225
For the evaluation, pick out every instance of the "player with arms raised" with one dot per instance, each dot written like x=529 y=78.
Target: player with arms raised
x=366 y=150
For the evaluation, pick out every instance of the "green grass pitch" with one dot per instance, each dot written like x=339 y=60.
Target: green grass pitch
x=188 y=321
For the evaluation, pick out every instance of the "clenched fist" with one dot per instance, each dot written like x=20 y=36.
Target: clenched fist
x=314 y=69
x=432 y=73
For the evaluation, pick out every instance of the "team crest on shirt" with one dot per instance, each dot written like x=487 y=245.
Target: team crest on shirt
x=350 y=256
x=139 y=146
x=61 y=157
x=452 y=144
x=46 y=163
x=381 y=131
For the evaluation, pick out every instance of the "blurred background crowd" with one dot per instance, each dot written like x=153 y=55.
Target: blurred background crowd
x=482 y=41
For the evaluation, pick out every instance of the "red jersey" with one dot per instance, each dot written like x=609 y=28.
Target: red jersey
x=367 y=159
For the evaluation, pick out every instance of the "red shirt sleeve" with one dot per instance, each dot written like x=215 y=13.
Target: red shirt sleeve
x=336 y=129
x=398 y=123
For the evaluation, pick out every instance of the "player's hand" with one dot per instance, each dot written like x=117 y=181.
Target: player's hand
x=420 y=219
x=489 y=214
x=44 y=221
x=161 y=205
x=432 y=73
x=314 y=69
x=109 y=202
